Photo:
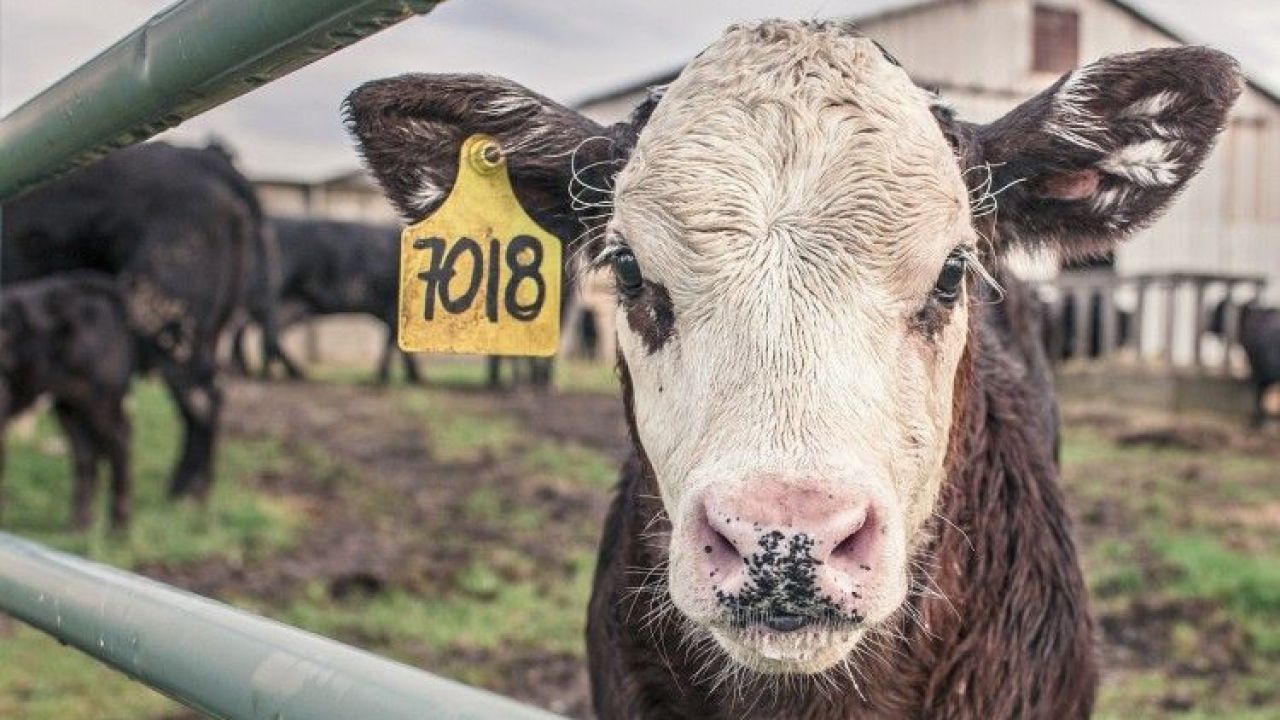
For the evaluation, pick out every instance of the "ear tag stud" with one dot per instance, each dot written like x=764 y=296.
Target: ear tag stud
x=479 y=275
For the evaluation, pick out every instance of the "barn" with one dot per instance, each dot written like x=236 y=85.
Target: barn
x=351 y=195
x=1222 y=235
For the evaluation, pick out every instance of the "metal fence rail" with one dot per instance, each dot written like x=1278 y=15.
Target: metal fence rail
x=219 y=660
x=191 y=57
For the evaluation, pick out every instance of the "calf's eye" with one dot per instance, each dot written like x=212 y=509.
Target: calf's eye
x=627 y=272
x=947 y=288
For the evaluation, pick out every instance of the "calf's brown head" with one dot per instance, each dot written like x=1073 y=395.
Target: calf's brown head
x=796 y=230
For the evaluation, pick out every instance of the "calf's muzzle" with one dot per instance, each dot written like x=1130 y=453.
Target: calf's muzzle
x=785 y=555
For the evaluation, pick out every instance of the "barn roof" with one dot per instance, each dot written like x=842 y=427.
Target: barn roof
x=1136 y=13
x=1124 y=6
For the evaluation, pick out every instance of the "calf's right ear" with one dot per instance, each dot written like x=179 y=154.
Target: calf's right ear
x=410 y=130
x=1102 y=152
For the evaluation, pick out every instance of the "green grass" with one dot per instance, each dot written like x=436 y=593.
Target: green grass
x=483 y=611
x=456 y=432
x=571 y=462
x=485 y=614
x=1114 y=570
x=237 y=523
x=1245 y=583
x=485 y=505
x=39 y=678
x=1143 y=695
x=1169 y=535
x=42 y=680
x=504 y=602
x=583 y=376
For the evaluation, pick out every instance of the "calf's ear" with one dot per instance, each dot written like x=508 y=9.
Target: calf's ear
x=410 y=130
x=1100 y=153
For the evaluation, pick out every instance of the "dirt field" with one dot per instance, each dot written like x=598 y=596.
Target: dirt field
x=455 y=530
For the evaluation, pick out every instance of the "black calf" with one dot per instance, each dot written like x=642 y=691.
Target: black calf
x=67 y=337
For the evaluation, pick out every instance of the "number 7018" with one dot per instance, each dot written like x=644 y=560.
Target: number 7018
x=522 y=260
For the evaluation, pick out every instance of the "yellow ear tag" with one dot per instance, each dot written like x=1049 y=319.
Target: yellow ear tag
x=479 y=275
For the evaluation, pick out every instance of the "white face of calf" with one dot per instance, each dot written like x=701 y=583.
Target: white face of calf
x=791 y=231
x=800 y=224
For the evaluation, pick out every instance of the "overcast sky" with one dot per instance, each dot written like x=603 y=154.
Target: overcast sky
x=567 y=49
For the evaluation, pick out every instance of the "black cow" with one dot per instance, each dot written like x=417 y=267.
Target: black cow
x=179 y=228
x=67 y=337
x=1258 y=331
x=327 y=267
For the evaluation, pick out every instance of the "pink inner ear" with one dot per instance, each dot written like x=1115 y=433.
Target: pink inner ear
x=1075 y=185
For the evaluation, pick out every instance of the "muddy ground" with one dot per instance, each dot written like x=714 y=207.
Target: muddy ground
x=391 y=508
x=410 y=529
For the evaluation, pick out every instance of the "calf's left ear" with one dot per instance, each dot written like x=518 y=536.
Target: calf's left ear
x=411 y=128
x=1101 y=152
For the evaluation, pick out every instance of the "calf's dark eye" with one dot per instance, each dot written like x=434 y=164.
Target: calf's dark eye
x=947 y=288
x=627 y=272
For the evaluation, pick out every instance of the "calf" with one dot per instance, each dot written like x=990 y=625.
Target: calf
x=843 y=498
x=67 y=337
x=327 y=267
x=179 y=228
x=1258 y=331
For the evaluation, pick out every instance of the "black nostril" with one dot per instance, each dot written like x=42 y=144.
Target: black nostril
x=854 y=541
x=718 y=543
x=846 y=546
x=786 y=622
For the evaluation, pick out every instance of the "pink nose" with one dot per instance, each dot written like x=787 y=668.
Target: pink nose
x=791 y=548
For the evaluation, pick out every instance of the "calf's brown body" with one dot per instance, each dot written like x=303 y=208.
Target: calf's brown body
x=1003 y=599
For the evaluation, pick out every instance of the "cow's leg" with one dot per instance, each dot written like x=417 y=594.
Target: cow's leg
x=542 y=371
x=121 y=473
x=2 y=446
x=84 y=462
x=291 y=368
x=384 y=361
x=281 y=317
x=272 y=352
x=494 y=369
x=411 y=373
x=4 y=423
x=1259 y=405
x=239 y=361
x=517 y=372
x=113 y=432
x=525 y=370
x=200 y=402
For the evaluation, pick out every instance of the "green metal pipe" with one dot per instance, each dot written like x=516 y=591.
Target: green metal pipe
x=188 y=58
x=219 y=660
